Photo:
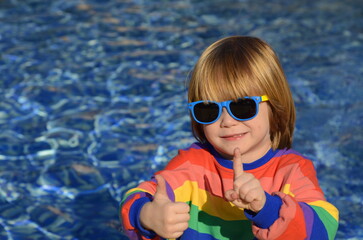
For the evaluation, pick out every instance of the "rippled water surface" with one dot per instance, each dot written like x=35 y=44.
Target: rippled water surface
x=93 y=100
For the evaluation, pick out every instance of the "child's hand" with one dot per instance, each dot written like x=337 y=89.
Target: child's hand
x=247 y=192
x=166 y=218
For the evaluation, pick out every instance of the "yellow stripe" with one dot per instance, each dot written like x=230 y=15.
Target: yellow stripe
x=333 y=211
x=206 y=202
x=328 y=207
x=286 y=190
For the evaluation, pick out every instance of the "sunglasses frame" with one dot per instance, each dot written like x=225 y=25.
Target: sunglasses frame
x=221 y=105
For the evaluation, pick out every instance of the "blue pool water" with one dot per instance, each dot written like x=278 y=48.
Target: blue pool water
x=93 y=100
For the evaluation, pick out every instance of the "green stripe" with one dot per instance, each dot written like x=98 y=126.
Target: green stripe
x=130 y=193
x=331 y=225
x=202 y=222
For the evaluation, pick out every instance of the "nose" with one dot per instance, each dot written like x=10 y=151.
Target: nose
x=226 y=119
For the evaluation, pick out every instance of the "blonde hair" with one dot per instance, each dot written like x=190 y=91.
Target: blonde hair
x=239 y=66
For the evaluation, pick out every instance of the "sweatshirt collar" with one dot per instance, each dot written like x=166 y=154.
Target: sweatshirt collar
x=246 y=166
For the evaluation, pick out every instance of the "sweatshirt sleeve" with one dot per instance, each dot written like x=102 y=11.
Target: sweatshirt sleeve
x=130 y=208
x=304 y=212
x=135 y=198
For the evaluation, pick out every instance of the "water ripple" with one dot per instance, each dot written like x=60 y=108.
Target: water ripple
x=93 y=100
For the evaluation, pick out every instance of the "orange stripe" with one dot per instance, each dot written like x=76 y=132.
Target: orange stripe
x=207 y=180
x=125 y=212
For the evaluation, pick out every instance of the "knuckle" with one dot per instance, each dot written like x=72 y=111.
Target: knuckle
x=187 y=209
x=168 y=221
x=242 y=191
x=169 y=208
x=185 y=227
x=177 y=234
x=249 y=198
x=183 y=207
x=249 y=174
x=168 y=229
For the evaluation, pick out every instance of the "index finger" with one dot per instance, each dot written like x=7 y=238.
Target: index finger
x=237 y=163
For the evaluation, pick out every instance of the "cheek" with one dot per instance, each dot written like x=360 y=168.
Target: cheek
x=263 y=118
x=261 y=127
x=208 y=130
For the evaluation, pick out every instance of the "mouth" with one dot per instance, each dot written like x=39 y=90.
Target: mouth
x=233 y=136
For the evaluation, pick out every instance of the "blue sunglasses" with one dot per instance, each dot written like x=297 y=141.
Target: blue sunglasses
x=207 y=112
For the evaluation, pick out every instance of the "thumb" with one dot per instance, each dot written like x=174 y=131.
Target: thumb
x=161 y=192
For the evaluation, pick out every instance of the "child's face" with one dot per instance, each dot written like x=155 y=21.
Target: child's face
x=252 y=137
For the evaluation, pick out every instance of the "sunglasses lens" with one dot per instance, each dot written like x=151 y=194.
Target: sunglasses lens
x=243 y=108
x=206 y=112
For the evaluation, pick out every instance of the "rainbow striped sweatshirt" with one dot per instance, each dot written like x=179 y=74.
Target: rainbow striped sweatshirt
x=295 y=205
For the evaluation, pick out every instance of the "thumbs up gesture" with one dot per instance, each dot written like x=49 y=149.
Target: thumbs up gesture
x=166 y=218
x=247 y=192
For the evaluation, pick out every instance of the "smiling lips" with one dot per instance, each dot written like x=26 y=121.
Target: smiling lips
x=233 y=136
